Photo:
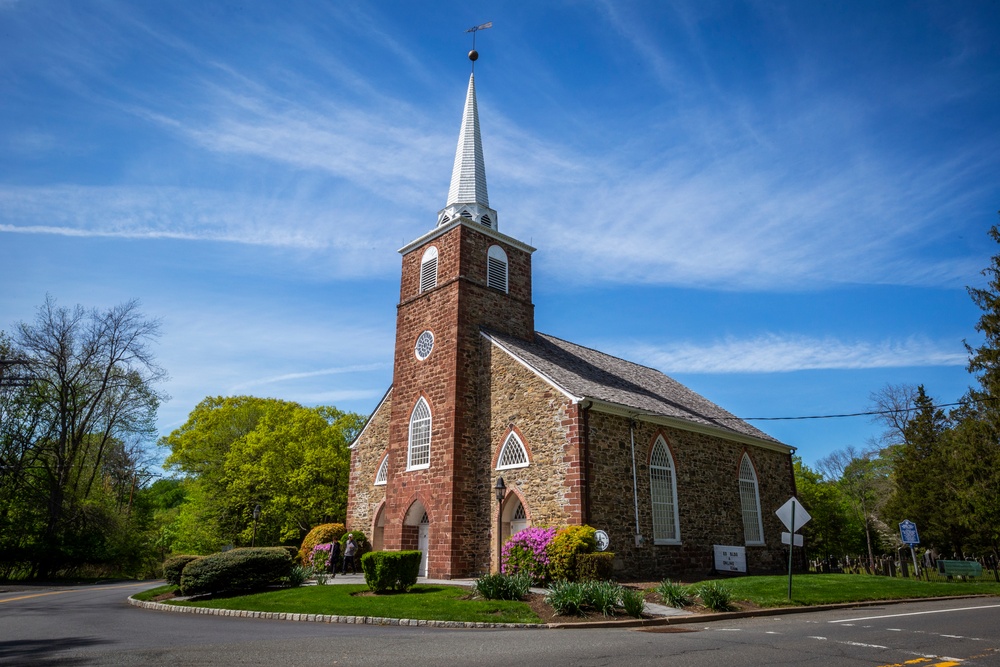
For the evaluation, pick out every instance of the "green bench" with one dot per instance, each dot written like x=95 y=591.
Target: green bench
x=959 y=568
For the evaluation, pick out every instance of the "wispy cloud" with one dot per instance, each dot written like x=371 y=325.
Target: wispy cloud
x=781 y=354
x=325 y=372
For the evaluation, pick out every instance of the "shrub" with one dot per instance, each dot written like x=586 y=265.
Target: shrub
x=239 y=569
x=715 y=596
x=391 y=570
x=675 y=595
x=603 y=596
x=298 y=575
x=502 y=586
x=596 y=566
x=323 y=533
x=173 y=566
x=320 y=559
x=564 y=548
x=526 y=551
x=634 y=602
x=566 y=597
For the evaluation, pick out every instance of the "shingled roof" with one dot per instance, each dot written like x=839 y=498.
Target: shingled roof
x=585 y=374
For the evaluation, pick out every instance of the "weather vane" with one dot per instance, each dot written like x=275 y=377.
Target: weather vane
x=473 y=54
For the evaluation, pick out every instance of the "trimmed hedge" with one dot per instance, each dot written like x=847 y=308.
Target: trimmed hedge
x=594 y=567
x=173 y=566
x=321 y=534
x=391 y=570
x=240 y=569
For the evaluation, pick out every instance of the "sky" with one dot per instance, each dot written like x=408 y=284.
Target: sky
x=779 y=204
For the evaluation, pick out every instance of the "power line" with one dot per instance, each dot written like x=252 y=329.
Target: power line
x=871 y=413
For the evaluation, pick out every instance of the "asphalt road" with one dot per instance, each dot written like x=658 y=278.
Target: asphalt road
x=93 y=625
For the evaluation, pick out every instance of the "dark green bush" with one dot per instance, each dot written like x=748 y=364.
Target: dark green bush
x=594 y=566
x=566 y=597
x=239 y=569
x=390 y=570
x=634 y=602
x=173 y=566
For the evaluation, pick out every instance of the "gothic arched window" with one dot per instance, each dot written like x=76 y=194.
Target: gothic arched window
x=663 y=494
x=382 y=476
x=419 y=449
x=512 y=454
x=753 y=529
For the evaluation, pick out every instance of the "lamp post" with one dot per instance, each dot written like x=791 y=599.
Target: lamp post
x=256 y=515
x=501 y=490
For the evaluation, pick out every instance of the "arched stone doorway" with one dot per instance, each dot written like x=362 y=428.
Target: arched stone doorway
x=416 y=533
x=514 y=517
x=378 y=530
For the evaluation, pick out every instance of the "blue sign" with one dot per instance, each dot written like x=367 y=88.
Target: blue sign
x=908 y=533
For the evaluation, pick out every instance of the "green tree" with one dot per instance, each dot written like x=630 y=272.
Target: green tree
x=72 y=435
x=239 y=452
x=923 y=475
x=832 y=530
x=863 y=478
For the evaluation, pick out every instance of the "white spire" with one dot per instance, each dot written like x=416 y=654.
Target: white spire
x=467 y=196
x=468 y=176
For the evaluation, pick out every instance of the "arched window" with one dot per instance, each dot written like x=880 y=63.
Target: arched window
x=429 y=269
x=419 y=450
x=496 y=268
x=753 y=529
x=382 y=476
x=663 y=493
x=512 y=454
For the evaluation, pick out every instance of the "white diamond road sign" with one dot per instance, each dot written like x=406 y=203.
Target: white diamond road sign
x=784 y=513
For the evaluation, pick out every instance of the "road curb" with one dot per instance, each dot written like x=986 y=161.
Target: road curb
x=328 y=618
x=733 y=615
x=592 y=625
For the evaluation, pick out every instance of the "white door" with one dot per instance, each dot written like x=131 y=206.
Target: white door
x=423 y=540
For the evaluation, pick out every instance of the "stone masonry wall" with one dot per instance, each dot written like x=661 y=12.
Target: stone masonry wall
x=363 y=497
x=708 y=497
x=541 y=416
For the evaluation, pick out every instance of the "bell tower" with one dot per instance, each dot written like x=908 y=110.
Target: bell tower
x=459 y=278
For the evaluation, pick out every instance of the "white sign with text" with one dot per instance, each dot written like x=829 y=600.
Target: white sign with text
x=730 y=559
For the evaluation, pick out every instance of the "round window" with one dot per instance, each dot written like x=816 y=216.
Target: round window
x=425 y=343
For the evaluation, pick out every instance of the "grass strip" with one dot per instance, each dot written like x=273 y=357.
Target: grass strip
x=816 y=589
x=436 y=603
x=151 y=593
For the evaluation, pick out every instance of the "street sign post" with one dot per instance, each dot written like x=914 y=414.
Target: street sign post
x=787 y=513
x=908 y=535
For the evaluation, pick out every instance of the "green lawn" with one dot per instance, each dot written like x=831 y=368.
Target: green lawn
x=813 y=589
x=153 y=592
x=438 y=603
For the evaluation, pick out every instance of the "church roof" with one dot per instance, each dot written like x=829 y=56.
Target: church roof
x=586 y=374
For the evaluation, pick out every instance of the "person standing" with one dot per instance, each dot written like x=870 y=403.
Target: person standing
x=349 y=550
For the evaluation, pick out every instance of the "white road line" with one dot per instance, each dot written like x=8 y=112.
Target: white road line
x=820 y=638
x=913 y=613
x=863 y=645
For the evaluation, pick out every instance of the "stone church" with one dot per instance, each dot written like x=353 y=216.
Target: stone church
x=577 y=436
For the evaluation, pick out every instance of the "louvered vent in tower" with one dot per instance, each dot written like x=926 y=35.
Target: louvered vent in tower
x=496 y=268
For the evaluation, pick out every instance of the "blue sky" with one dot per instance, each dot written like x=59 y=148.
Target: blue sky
x=780 y=204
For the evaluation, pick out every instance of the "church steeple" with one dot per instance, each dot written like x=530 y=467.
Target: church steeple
x=467 y=196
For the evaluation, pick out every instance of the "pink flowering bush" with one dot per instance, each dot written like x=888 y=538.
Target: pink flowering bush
x=319 y=559
x=527 y=552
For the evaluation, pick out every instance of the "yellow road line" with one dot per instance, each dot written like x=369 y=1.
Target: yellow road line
x=68 y=590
